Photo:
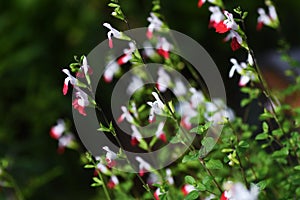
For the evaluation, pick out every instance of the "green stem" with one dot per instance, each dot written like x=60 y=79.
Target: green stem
x=15 y=186
x=104 y=187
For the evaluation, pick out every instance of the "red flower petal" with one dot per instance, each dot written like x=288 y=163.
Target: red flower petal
x=234 y=44
x=221 y=27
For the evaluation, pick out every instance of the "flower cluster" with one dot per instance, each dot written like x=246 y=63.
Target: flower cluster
x=65 y=138
x=81 y=100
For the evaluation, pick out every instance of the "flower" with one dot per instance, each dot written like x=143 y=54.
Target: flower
x=163 y=80
x=65 y=141
x=113 y=181
x=196 y=98
x=157 y=193
x=179 y=88
x=159 y=132
x=112 y=32
x=57 y=130
x=227 y=24
x=169 y=177
x=246 y=75
x=127 y=54
x=148 y=49
x=85 y=69
x=110 y=70
x=237 y=191
x=135 y=83
x=163 y=47
x=143 y=166
x=136 y=135
x=157 y=107
x=217 y=110
x=70 y=79
x=155 y=25
x=270 y=19
x=188 y=112
x=216 y=16
x=236 y=40
x=100 y=168
x=187 y=188
x=201 y=2
x=81 y=101
x=110 y=157
x=125 y=115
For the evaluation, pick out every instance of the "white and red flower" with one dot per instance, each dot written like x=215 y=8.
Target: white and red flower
x=155 y=25
x=64 y=141
x=127 y=54
x=169 y=177
x=125 y=115
x=226 y=25
x=70 y=79
x=270 y=19
x=201 y=2
x=81 y=101
x=113 y=182
x=143 y=166
x=157 y=107
x=110 y=157
x=112 y=33
x=84 y=69
x=246 y=75
x=135 y=136
x=100 y=168
x=187 y=188
x=236 y=40
x=237 y=191
x=163 y=80
x=179 y=88
x=157 y=193
x=163 y=47
x=216 y=16
x=57 y=130
x=110 y=70
x=159 y=132
x=135 y=83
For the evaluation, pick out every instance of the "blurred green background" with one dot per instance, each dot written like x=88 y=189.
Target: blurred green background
x=39 y=38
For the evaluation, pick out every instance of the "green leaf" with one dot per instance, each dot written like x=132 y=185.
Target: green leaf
x=143 y=144
x=190 y=157
x=265 y=127
x=243 y=144
x=207 y=145
x=201 y=187
x=89 y=166
x=97 y=180
x=214 y=164
x=245 y=14
x=96 y=184
x=113 y=5
x=190 y=180
x=201 y=128
x=262 y=184
x=103 y=128
x=266 y=115
x=281 y=153
x=277 y=132
x=245 y=102
x=262 y=136
x=297 y=167
x=192 y=195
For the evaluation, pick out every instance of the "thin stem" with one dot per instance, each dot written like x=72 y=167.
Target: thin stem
x=210 y=173
x=104 y=186
x=15 y=186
